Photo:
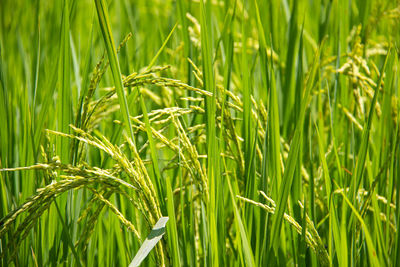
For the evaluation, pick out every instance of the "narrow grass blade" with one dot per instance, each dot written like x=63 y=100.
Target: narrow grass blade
x=153 y=61
x=212 y=144
x=244 y=244
x=292 y=159
x=333 y=220
x=64 y=100
x=102 y=12
x=173 y=236
x=372 y=251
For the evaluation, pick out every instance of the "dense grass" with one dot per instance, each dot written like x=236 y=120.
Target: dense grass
x=266 y=131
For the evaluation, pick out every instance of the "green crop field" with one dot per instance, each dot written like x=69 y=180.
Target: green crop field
x=199 y=133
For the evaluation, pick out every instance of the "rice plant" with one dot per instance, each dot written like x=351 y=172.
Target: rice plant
x=199 y=133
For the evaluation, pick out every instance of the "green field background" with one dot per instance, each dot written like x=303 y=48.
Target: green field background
x=266 y=131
